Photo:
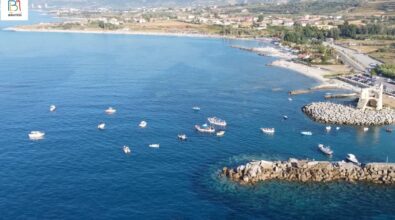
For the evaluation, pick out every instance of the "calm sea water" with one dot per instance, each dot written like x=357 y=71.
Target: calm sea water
x=78 y=172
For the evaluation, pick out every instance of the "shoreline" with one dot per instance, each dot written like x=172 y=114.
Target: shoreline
x=141 y=33
x=311 y=72
x=315 y=73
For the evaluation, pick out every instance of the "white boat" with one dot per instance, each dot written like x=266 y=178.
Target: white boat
x=352 y=158
x=205 y=129
x=290 y=99
x=217 y=121
x=36 y=135
x=365 y=129
x=285 y=117
x=52 y=108
x=306 y=133
x=182 y=137
x=101 y=126
x=154 y=145
x=326 y=150
x=143 y=124
x=110 y=110
x=337 y=128
x=196 y=108
x=220 y=133
x=268 y=130
x=328 y=128
x=126 y=150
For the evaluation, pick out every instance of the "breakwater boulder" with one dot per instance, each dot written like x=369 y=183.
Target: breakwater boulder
x=333 y=113
x=311 y=171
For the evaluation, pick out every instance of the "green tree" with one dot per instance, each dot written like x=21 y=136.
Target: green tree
x=260 y=18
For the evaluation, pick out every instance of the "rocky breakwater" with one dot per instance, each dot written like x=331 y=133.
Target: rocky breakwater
x=332 y=113
x=311 y=171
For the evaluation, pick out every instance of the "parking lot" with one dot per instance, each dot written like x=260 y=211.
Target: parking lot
x=368 y=81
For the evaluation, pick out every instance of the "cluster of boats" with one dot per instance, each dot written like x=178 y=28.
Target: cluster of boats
x=329 y=128
x=271 y=131
x=205 y=128
x=329 y=152
x=215 y=123
x=38 y=135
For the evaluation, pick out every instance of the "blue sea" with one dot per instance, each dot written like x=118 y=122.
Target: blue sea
x=78 y=172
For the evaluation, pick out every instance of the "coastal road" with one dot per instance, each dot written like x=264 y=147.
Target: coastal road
x=358 y=61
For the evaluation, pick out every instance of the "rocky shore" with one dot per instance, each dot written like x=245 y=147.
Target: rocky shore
x=332 y=113
x=311 y=171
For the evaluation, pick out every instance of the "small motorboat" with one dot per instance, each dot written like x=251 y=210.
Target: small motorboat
x=143 y=124
x=285 y=117
x=205 y=128
x=217 y=121
x=182 y=137
x=154 y=145
x=337 y=128
x=388 y=130
x=328 y=128
x=126 y=150
x=220 y=133
x=352 y=158
x=290 y=99
x=268 y=130
x=101 y=126
x=110 y=111
x=196 y=108
x=52 y=108
x=365 y=129
x=306 y=133
x=326 y=150
x=36 y=135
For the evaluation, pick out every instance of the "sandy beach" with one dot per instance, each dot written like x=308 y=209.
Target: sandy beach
x=309 y=71
x=315 y=73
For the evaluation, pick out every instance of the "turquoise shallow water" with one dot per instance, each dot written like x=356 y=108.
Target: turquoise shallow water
x=77 y=172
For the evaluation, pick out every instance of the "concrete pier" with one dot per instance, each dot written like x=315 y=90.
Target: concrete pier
x=343 y=95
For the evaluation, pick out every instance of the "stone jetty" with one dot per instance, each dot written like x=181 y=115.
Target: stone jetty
x=311 y=171
x=332 y=113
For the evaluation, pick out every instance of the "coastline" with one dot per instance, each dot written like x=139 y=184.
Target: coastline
x=311 y=72
x=117 y=32
x=315 y=73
